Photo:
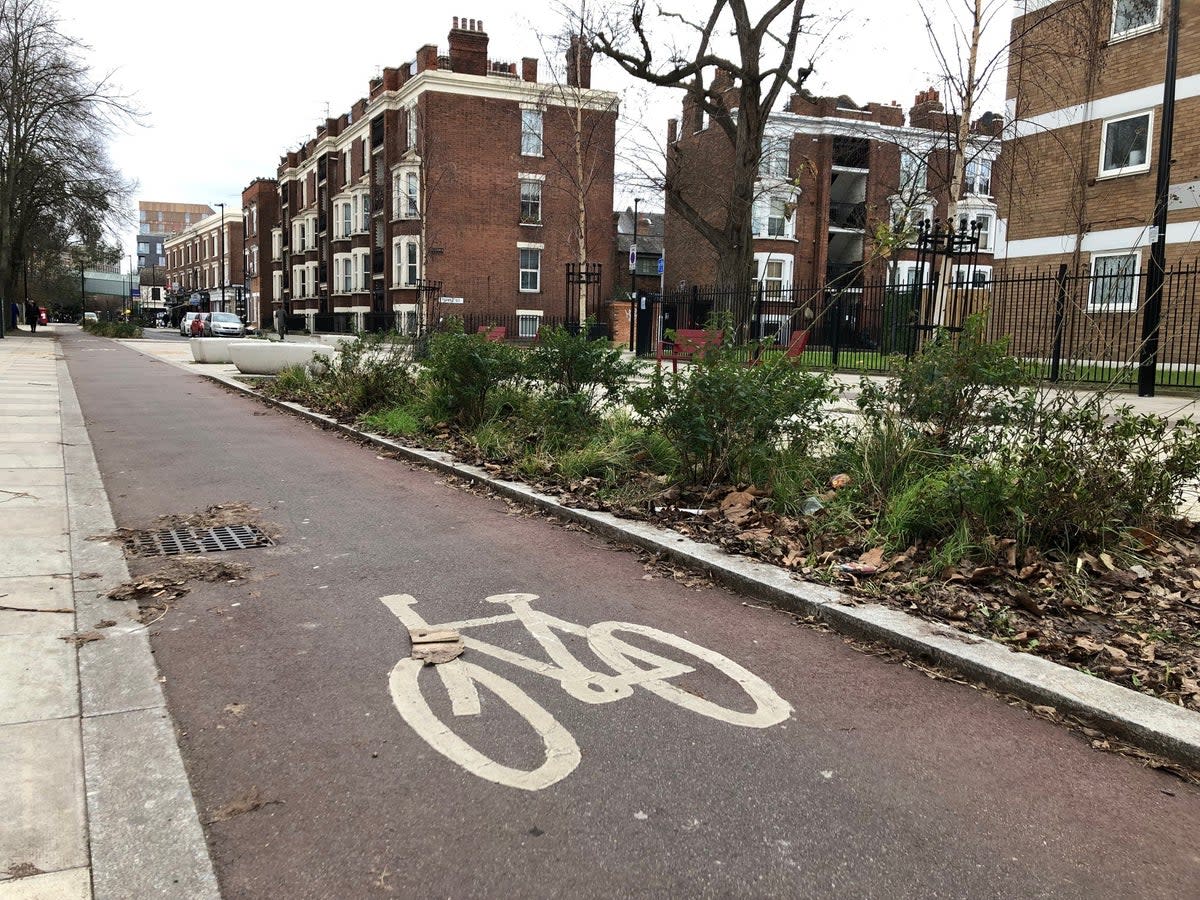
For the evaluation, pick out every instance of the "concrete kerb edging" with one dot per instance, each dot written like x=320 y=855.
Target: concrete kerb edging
x=1153 y=725
x=144 y=834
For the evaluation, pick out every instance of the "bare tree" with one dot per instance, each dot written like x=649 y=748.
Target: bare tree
x=590 y=116
x=55 y=123
x=761 y=65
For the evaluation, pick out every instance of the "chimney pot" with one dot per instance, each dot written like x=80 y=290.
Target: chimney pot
x=455 y=25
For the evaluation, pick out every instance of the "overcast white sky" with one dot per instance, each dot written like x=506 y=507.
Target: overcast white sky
x=226 y=86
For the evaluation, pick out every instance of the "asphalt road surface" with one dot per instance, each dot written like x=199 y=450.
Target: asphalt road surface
x=624 y=774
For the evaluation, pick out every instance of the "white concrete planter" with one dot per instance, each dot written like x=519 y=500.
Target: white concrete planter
x=212 y=350
x=271 y=358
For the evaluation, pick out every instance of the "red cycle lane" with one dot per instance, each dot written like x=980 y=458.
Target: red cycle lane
x=655 y=780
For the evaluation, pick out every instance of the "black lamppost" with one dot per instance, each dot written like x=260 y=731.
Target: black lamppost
x=221 y=255
x=1148 y=357
x=633 y=251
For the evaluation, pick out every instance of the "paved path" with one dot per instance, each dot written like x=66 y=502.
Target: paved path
x=93 y=796
x=880 y=782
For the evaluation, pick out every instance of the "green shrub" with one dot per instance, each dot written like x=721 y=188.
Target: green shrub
x=113 y=329
x=725 y=419
x=464 y=369
x=579 y=374
x=960 y=389
x=369 y=373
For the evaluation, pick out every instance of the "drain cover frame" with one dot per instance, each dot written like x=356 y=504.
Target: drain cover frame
x=183 y=541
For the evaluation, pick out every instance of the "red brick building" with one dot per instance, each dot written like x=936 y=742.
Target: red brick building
x=260 y=213
x=450 y=189
x=204 y=265
x=831 y=173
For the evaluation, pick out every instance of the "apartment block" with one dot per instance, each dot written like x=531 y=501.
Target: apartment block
x=260 y=212
x=1079 y=167
x=831 y=173
x=204 y=264
x=450 y=189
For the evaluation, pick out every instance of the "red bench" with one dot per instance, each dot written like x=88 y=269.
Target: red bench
x=795 y=348
x=493 y=332
x=688 y=344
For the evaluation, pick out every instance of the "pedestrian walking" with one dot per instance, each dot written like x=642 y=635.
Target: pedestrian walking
x=31 y=316
x=15 y=316
x=281 y=322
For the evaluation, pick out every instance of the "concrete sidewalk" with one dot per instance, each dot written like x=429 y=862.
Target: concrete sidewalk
x=94 y=800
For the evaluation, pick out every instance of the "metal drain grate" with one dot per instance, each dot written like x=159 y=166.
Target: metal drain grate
x=196 y=540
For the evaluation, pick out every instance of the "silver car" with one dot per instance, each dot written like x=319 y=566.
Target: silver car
x=223 y=324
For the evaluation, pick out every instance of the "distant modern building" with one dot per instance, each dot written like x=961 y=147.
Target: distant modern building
x=156 y=223
x=449 y=190
x=205 y=264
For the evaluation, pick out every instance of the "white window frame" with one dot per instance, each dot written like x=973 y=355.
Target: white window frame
x=361 y=269
x=1139 y=168
x=411 y=275
x=1152 y=25
x=986 y=235
x=410 y=126
x=762 y=260
x=540 y=248
x=914 y=215
x=340 y=272
x=276 y=243
x=406 y=193
x=773 y=157
x=522 y=185
x=972 y=181
x=913 y=177
x=1100 y=305
x=406 y=315
x=527 y=318
x=363 y=222
x=532 y=140
x=277 y=284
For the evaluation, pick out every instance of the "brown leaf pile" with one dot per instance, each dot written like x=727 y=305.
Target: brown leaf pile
x=155 y=592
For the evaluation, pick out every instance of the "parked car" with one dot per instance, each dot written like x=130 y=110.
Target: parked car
x=223 y=324
x=185 y=324
x=90 y=317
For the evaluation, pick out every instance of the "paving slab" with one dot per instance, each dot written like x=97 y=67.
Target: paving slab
x=27 y=456
x=44 y=623
x=39 y=677
x=41 y=592
x=22 y=479
x=117 y=674
x=42 y=817
x=146 y=838
x=44 y=520
x=72 y=884
x=35 y=555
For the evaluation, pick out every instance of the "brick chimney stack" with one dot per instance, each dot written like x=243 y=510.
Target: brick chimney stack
x=579 y=63
x=529 y=69
x=468 y=47
x=926 y=110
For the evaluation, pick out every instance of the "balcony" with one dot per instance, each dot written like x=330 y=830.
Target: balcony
x=848 y=215
x=844 y=274
x=851 y=152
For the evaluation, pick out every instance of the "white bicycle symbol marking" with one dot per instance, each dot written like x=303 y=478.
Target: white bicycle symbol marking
x=562 y=755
